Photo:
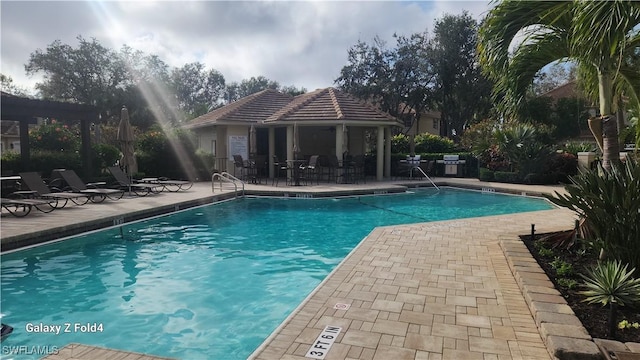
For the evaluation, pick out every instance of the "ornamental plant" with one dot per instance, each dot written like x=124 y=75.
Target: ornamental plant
x=55 y=136
x=610 y=283
x=609 y=203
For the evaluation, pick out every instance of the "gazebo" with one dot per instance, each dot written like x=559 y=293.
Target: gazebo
x=329 y=121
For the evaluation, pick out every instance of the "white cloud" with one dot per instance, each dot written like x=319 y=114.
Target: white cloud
x=295 y=43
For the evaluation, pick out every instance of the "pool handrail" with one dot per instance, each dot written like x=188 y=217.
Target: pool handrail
x=226 y=177
x=425 y=175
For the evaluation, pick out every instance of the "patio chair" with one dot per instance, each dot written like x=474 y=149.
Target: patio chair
x=22 y=207
x=39 y=189
x=75 y=184
x=280 y=169
x=240 y=167
x=311 y=169
x=140 y=189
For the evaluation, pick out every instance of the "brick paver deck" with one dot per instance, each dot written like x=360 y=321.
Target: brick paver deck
x=440 y=290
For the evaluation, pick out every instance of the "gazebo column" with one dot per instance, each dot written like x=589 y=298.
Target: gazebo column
x=339 y=142
x=272 y=149
x=290 y=142
x=387 y=152
x=380 y=154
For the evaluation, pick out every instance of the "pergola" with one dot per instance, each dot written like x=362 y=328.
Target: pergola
x=26 y=111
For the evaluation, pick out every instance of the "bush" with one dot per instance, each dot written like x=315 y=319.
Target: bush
x=171 y=155
x=506 y=176
x=54 y=136
x=430 y=143
x=609 y=200
x=10 y=162
x=45 y=161
x=540 y=179
x=562 y=165
x=576 y=147
x=104 y=155
x=400 y=144
x=486 y=175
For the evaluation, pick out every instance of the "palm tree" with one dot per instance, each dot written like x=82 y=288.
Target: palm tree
x=598 y=35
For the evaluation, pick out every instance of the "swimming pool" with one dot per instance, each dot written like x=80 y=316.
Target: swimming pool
x=206 y=283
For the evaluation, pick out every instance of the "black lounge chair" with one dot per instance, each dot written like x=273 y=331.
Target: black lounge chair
x=40 y=190
x=140 y=189
x=169 y=184
x=22 y=207
x=98 y=195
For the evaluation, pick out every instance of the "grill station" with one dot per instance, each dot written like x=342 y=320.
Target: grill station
x=452 y=165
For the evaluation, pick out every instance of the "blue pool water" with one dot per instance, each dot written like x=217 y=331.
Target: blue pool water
x=206 y=283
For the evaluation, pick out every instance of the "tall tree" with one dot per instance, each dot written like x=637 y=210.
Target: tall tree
x=399 y=80
x=89 y=74
x=597 y=35
x=246 y=87
x=462 y=92
x=197 y=90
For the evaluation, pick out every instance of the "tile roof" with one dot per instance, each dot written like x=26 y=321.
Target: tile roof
x=250 y=109
x=330 y=105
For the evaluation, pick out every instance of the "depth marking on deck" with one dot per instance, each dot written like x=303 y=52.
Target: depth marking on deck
x=323 y=343
x=341 y=306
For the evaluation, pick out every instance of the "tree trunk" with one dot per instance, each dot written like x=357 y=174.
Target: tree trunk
x=610 y=145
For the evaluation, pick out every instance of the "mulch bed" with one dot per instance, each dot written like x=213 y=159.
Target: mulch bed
x=594 y=317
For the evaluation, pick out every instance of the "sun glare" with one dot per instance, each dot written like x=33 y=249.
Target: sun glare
x=157 y=96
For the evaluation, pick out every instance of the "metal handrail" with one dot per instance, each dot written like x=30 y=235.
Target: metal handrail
x=226 y=177
x=424 y=174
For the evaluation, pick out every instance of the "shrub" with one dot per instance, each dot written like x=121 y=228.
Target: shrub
x=506 y=176
x=486 y=175
x=46 y=161
x=430 y=143
x=104 y=155
x=609 y=201
x=540 y=179
x=10 y=162
x=562 y=165
x=54 y=136
x=576 y=147
x=400 y=144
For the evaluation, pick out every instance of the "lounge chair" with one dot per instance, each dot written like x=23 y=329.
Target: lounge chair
x=140 y=189
x=22 y=207
x=98 y=195
x=40 y=190
x=169 y=184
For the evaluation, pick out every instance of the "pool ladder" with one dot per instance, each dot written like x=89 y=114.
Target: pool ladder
x=423 y=174
x=227 y=178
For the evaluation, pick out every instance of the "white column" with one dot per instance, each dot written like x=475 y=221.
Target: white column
x=290 y=142
x=339 y=141
x=387 y=152
x=272 y=149
x=380 y=154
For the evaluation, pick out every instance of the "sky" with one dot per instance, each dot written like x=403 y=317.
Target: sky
x=299 y=43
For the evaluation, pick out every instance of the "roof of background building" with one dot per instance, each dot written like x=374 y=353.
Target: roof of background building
x=250 y=109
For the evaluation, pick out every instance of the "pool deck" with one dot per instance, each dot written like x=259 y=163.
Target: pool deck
x=460 y=289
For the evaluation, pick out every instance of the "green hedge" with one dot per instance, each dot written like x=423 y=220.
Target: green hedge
x=506 y=176
x=485 y=175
